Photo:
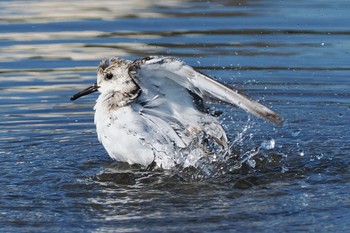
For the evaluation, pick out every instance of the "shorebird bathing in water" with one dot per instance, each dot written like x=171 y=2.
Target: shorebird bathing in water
x=150 y=111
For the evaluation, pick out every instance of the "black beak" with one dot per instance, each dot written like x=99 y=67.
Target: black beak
x=91 y=89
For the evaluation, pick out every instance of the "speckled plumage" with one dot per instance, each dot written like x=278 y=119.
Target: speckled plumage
x=146 y=112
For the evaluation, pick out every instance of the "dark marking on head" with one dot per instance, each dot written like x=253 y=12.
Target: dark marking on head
x=103 y=64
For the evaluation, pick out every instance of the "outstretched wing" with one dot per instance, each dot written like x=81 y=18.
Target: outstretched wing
x=153 y=68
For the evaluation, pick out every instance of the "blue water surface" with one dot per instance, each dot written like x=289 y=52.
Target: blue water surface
x=292 y=56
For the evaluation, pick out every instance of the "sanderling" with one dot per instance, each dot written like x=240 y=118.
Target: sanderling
x=150 y=111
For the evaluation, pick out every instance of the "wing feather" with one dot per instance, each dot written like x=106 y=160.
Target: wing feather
x=199 y=83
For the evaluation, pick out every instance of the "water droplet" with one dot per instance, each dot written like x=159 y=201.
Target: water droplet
x=284 y=169
x=301 y=152
x=268 y=144
x=235 y=167
x=296 y=132
x=283 y=155
x=320 y=156
x=251 y=163
x=322 y=44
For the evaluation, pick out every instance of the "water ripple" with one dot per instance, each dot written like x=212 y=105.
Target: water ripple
x=293 y=57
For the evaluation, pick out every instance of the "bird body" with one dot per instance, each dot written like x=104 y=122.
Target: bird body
x=149 y=110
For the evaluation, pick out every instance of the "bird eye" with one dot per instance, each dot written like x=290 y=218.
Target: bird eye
x=109 y=76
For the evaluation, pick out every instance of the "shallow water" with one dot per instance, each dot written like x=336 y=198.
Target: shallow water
x=292 y=56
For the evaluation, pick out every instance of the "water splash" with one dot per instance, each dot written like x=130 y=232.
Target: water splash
x=268 y=144
x=243 y=151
